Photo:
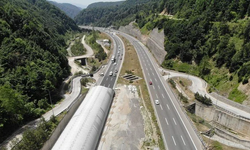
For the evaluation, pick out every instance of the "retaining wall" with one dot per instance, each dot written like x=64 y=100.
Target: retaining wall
x=155 y=40
x=230 y=102
x=231 y=137
x=223 y=117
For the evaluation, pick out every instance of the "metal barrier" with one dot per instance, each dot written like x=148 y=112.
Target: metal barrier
x=192 y=125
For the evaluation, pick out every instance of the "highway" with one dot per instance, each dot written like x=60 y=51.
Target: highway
x=176 y=134
x=118 y=51
x=114 y=67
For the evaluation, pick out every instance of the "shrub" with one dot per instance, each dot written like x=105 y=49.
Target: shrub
x=183 y=98
x=84 y=81
x=171 y=81
x=203 y=99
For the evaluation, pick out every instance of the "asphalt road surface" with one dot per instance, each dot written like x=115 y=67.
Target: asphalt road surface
x=109 y=80
x=175 y=133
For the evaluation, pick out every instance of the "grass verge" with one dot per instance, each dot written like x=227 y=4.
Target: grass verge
x=219 y=79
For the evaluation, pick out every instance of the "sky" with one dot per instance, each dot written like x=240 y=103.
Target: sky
x=82 y=3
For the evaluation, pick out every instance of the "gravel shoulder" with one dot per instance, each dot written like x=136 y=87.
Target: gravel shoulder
x=124 y=128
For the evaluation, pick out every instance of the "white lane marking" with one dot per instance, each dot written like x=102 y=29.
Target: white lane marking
x=173 y=140
x=162 y=95
x=111 y=79
x=161 y=107
x=109 y=85
x=183 y=140
x=159 y=88
x=168 y=107
x=174 y=122
x=179 y=115
x=154 y=87
x=166 y=121
x=157 y=96
x=155 y=80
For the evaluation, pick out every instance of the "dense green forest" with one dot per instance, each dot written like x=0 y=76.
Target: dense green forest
x=208 y=38
x=68 y=9
x=32 y=59
x=104 y=4
x=117 y=15
x=78 y=49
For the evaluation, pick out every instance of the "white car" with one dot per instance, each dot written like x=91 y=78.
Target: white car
x=102 y=74
x=114 y=64
x=157 y=102
x=111 y=73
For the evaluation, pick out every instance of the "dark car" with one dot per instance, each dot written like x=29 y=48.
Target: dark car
x=150 y=83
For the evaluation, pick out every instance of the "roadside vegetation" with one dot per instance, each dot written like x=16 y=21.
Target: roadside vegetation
x=78 y=49
x=201 y=125
x=209 y=39
x=33 y=37
x=101 y=58
x=36 y=138
x=203 y=99
x=131 y=65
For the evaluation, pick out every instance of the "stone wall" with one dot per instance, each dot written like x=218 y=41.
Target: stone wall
x=203 y=111
x=223 y=117
x=132 y=30
x=231 y=137
x=155 y=40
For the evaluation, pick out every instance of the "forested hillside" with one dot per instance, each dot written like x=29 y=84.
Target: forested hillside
x=32 y=59
x=104 y=4
x=69 y=9
x=208 y=38
x=115 y=15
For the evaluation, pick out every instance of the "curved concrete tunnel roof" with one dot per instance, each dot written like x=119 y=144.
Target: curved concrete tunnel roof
x=85 y=127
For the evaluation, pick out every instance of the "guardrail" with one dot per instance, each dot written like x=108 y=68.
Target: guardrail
x=191 y=123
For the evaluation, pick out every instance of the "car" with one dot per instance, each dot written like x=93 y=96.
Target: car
x=102 y=74
x=150 y=83
x=111 y=73
x=116 y=71
x=114 y=74
x=121 y=58
x=157 y=102
x=114 y=64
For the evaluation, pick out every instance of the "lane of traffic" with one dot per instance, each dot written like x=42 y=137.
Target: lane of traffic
x=177 y=129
